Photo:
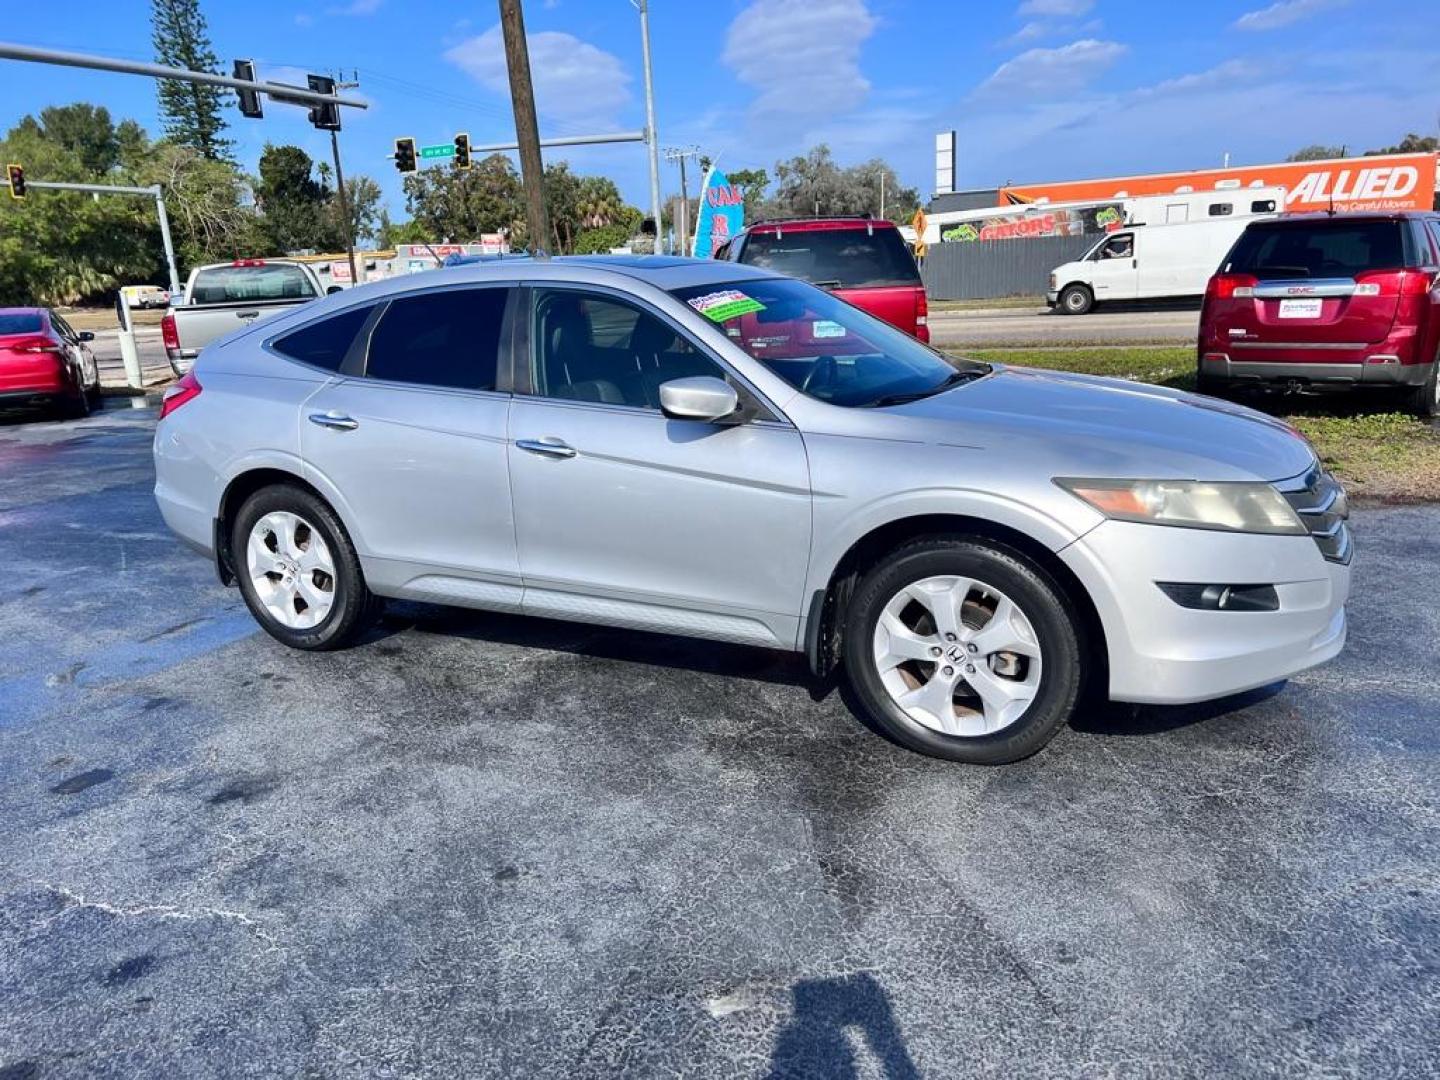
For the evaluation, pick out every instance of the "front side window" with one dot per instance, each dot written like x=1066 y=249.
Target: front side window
x=251 y=284
x=449 y=339
x=325 y=342
x=823 y=346
x=1118 y=247
x=589 y=347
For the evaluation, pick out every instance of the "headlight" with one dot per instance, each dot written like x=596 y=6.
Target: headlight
x=1229 y=507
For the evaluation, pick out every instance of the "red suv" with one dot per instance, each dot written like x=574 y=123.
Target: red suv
x=862 y=260
x=1315 y=300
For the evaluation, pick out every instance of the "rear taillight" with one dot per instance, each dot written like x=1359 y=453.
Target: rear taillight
x=32 y=345
x=922 y=315
x=1394 y=283
x=1231 y=286
x=178 y=393
x=169 y=335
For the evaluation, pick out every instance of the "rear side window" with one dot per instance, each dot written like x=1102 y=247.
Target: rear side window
x=324 y=343
x=239 y=284
x=449 y=339
x=842 y=258
x=1325 y=249
x=27 y=323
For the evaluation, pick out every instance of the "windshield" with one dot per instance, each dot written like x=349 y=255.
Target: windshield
x=849 y=258
x=823 y=346
x=20 y=323
x=1319 y=249
x=248 y=284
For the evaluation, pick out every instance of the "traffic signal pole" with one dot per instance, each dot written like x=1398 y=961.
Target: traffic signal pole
x=154 y=191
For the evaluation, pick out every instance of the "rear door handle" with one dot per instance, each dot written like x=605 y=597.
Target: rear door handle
x=338 y=421
x=547 y=447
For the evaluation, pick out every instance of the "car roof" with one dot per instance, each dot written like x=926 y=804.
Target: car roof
x=805 y=224
x=1311 y=217
x=24 y=311
x=662 y=271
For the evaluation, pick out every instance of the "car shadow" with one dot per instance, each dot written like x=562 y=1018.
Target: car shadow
x=745 y=662
x=1139 y=307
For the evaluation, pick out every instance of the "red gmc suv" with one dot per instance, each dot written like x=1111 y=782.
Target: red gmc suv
x=861 y=260
x=1316 y=300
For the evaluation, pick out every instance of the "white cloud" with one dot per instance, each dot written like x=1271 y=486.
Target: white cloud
x=802 y=56
x=1284 y=12
x=1051 y=73
x=1230 y=74
x=1036 y=29
x=575 y=82
x=1067 y=8
x=356 y=7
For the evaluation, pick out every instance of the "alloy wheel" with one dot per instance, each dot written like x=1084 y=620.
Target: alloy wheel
x=957 y=655
x=292 y=570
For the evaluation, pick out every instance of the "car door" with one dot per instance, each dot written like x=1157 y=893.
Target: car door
x=411 y=435
x=82 y=360
x=1114 y=274
x=627 y=517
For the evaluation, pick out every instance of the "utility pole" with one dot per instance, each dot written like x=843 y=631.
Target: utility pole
x=527 y=132
x=679 y=154
x=651 y=136
x=882 y=194
x=340 y=191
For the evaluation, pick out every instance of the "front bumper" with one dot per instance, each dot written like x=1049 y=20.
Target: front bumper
x=1052 y=297
x=1162 y=653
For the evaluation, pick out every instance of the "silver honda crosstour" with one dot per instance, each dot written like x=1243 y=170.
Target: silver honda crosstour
x=711 y=450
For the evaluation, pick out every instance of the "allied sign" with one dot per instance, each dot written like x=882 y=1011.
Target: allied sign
x=1382 y=182
x=722 y=213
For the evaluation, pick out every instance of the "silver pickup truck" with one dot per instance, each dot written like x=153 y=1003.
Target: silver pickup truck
x=223 y=297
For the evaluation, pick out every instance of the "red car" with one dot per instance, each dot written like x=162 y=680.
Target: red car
x=861 y=260
x=46 y=363
x=1322 y=300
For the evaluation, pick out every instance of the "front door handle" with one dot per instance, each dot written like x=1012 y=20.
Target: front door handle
x=338 y=421
x=547 y=447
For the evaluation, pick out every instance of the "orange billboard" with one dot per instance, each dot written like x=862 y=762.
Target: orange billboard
x=1383 y=182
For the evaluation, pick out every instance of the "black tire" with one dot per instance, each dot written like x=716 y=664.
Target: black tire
x=78 y=407
x=1030 y=586
x=1076 y=300
x=354 y=606
x=1424 y=400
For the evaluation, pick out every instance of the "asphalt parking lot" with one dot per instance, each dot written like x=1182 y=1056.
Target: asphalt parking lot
x=483 y=846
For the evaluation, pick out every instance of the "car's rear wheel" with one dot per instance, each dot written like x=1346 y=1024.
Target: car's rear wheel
x=964 y=649
x=298 y=570
x=1076 y=300
x=1425 y=398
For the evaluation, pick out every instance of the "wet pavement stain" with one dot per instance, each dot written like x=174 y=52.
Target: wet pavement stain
x=129 y=970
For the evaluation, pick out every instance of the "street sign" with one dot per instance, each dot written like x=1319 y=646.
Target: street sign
x=444 y=150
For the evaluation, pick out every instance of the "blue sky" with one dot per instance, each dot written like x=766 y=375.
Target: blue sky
x=1037 y=89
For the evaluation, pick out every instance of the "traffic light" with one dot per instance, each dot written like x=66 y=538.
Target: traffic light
x=249 y=99
x=16 y=174
x=462 y=151
x=325 y=117
x=405 y=155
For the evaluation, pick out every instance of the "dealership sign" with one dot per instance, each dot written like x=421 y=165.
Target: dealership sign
x=722 y=213
x=1382 y=182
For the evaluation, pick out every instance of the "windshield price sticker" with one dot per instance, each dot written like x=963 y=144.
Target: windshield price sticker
x=726 y=305
x=823 y=328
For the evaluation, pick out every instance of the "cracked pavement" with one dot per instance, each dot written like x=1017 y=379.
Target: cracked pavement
x=479 y=845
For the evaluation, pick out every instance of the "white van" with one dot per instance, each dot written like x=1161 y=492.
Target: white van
x=1142 y=262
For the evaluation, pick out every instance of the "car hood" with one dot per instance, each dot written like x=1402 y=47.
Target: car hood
x=1085 y=425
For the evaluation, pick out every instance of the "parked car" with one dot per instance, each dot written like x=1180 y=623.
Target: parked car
x=1321 y=300
x=145 y=297
x=862 y=260
x=223 y=297
x=699 y=448
x=1145 y=262
x=45 y=363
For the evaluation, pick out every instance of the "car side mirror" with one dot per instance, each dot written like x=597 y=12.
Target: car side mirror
x=86 y=335
x=333 y=289
x=698 y=397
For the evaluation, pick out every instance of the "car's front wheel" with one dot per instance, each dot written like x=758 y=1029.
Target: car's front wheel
x=964 y=649
x=298 y=570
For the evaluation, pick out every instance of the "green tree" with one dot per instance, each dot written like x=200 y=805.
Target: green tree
x=1411 y=144
x=599 y=202
x=460 y=204
x=389 y=233
x=192 y=112
x=85 y=131
x=1317 y=152
x=294 y=205
x=815 y=184
x=562 y=200
x=753 y=183
x=363 y=195
x=212 y=212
